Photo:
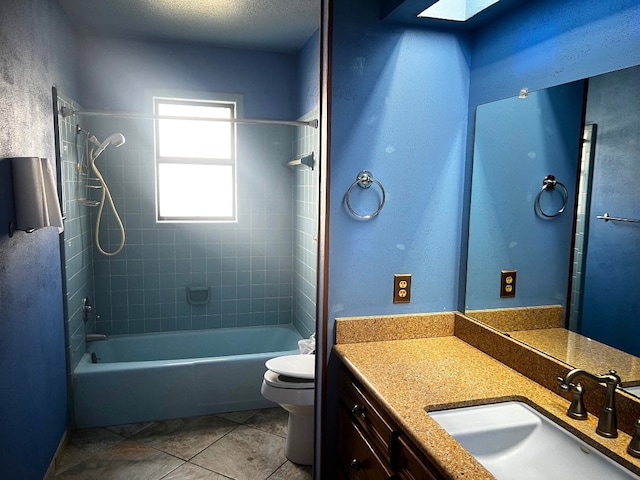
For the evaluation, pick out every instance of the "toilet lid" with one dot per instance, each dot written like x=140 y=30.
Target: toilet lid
x=298 y=366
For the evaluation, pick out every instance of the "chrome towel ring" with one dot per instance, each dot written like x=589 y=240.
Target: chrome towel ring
x=549 y=183
x=365 y=180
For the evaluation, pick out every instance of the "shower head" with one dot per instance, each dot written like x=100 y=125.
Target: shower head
x=117 y=139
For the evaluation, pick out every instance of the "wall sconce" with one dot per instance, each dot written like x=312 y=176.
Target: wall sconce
x=35 y=195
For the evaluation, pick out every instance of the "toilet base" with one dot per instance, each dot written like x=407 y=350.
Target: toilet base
x=300 y=439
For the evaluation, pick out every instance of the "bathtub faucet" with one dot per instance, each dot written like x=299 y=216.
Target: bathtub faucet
x=94 y=337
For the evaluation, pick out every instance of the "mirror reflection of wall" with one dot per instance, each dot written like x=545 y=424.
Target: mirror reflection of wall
x=517 y=142
x=611 y=293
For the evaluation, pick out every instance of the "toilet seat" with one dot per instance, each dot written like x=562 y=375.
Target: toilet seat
x=296 y=366
x=282 y=381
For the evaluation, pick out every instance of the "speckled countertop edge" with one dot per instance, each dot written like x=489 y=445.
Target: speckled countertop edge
x=394 y=327
x=520 y=318
x=444 y=372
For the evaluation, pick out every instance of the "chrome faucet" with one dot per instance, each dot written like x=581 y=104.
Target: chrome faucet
x=608 y=421
x=87 y=309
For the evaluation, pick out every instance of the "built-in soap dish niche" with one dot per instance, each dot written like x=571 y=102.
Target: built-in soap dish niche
x=198 y=294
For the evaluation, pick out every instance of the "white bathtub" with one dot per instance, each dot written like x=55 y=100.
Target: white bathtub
x=170 y=375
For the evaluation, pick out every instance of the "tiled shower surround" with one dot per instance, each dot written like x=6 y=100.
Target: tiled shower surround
x=260 y=270
x=306 y=194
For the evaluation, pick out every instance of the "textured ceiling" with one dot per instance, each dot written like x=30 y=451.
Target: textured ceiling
x=273 y=25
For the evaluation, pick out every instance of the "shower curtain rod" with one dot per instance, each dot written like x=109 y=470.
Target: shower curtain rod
x=67 y=112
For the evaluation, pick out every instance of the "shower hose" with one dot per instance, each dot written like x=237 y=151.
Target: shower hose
x=106 y=194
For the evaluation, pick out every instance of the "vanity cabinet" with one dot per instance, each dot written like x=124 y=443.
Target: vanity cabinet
x=371 y=445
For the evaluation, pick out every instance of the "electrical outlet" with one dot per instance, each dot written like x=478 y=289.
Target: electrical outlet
x=507 y=283
x=402 y=288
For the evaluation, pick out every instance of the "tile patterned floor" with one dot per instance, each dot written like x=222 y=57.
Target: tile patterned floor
x=247 y=445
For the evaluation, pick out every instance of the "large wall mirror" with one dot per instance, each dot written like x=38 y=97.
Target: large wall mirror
x=573 y=240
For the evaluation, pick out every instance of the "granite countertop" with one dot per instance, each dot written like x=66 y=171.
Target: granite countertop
x=542 y=327
x=443 y=371
x=577 y=349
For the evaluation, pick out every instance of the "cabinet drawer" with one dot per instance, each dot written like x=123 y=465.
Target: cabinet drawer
x=357 y=459
x=367 y=415
x=412 y=465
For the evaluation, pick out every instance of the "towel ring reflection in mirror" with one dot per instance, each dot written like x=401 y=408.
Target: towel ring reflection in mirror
x=549 y=183
x=365 y=180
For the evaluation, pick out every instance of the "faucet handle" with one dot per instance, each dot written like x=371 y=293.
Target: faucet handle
x=577 y=409
x=565 y=387
x=634 y=445
x=87 y=309
x=612 y=377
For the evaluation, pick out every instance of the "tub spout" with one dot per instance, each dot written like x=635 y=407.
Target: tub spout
x=94 y=337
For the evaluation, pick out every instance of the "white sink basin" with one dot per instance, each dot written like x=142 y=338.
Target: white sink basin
x=512 y=440
x=633 y=390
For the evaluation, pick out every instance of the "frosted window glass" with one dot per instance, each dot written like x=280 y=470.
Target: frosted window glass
x=194 y=138
x=195 y=160
x=194 y=190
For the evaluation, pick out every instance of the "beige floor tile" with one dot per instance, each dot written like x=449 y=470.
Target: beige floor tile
x=238 y=417
x=270 y=420
x=291 y=471
x=244 y=454
x=83 y=444
x=130 y=429
x=128 y=460
x=186 y=437
x=189 y=471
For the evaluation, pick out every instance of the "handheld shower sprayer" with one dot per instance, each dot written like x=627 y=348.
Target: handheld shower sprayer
x=116 y=139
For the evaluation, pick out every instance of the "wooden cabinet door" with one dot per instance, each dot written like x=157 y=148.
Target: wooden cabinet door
x=357 y=459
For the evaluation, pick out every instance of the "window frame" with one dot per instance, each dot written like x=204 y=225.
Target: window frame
x=234 y=104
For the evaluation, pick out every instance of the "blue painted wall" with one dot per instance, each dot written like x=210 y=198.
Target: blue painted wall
x=115 y=73
x=37 y=52
x=399 y=110
x=308 y=83
x=550 y=42
x=517 y=143
x=611 y=295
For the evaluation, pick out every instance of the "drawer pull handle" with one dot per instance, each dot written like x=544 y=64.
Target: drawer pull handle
x=356 y=465
x=358 y=410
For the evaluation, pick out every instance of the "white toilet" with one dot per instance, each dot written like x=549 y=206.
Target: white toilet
x=289 y=382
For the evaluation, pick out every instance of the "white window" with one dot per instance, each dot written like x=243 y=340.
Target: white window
x=195 y=160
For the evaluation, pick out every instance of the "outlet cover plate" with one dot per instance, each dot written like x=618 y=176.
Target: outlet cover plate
x=507 y=283
x=402 y=288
